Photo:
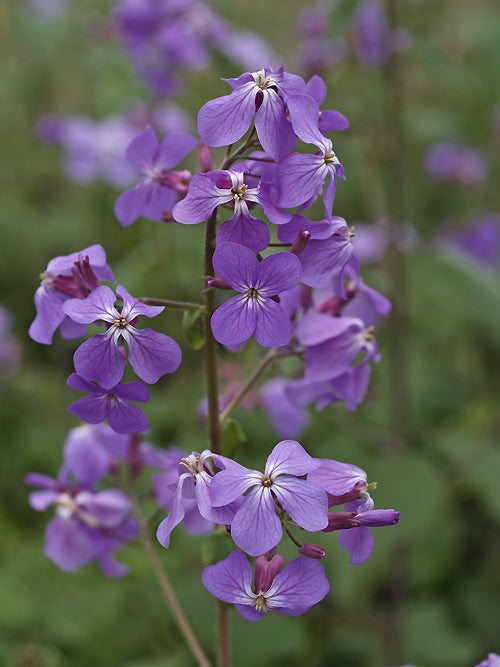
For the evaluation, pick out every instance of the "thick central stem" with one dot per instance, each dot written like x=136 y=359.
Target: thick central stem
x=214 y=426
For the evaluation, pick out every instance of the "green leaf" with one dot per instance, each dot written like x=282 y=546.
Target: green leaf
x=216 y=547
x=232 y=437
x=192 y=323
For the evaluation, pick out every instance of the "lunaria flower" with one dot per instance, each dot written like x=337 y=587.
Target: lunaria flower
x=254 y=311
x=100 y=360
x=291 y=591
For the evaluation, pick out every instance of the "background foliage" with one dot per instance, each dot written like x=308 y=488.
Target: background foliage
x=429 y=594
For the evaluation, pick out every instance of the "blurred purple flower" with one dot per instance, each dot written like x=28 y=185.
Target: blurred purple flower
x=156 y=193
x=287 y=420
x=453 y=162
x=10 y=347
x=112 y=404
x=66 y=276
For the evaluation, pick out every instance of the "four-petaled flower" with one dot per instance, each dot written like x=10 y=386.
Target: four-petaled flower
x=254 y=311
x=256 y=526
x=99 y=359
x=301 y=584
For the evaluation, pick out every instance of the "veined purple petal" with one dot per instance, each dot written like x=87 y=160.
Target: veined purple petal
x=152 y=354
x=276 y=215
x=290 y=458
x=49 y=314
x=90 y=409
x=273 y=128
x=304 y=115
x=99 y=305
x=175 y=515
x=226 y=119
x=323 y=261
x=360 y=543
x=130 y=204
x=142 y=150
x=132 y=391
x=99 y=359
x=316 y=328
x=230 y=579
x=300 y=584
x=234 y=321
x=316 y=88
x=330 y=359
x=248 y=612
x=223 y=515
x=125 y=417
x=133 y=307
x=300 y=177
x=202 y=198
x=331 y=121
x=97 y=258
x=70 y=330
x=74 y=381
x=228 y=485
x=272 y=327
x=336 y=477
x=246 y=231
x=277 y=273
x=305 y=502
x=236 y=265
x=173 y=149
x=256 y=527
x=160 y=199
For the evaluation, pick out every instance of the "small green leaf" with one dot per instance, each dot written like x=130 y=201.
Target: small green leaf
x=192 y=323
x=216 y=547
x=232 y=437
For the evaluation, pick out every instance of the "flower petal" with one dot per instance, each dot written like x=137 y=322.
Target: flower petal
x=256 y=527
x=152 y=354
x=234 y=321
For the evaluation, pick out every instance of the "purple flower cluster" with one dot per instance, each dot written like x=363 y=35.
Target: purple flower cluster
x=294 y=492
x=164 y=38
x=70 y=297
x=96 y=149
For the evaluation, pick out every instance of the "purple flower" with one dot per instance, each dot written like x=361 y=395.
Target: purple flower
x=328 y=120
x=262 y=94
x=300 y=176
x=327 y=252
x=333 y=344
x=293 y=591
x=111 y=404
x=254 y=312
x=100 y=360
x=207 y=191
x=288 y=421
x=10 y=347
x=453 y=162
x=256 y=526
x=156 y=193
x=88 y=525
x=372 y=36
x=67 y=276
x=193 y=479
x=342 y=481
x=493 y=660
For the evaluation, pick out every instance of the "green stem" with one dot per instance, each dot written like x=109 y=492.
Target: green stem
x=178 y=305
x=171 y=598
x=271 y=356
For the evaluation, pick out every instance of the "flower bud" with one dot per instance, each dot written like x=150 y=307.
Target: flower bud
x=340 y=521
x=265 y=570
x=312 y=551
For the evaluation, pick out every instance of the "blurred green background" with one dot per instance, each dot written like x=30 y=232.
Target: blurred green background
x=429 y=595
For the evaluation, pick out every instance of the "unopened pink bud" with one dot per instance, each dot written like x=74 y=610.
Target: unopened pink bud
x=177 y=180
x=312 y=551
x=300 y=242
x=265 y=571
x=205 y=157
x=341 y=521
x=217 y=283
